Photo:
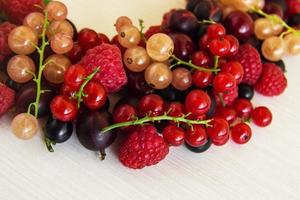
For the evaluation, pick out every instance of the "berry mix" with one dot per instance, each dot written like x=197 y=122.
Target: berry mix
x=188 y=81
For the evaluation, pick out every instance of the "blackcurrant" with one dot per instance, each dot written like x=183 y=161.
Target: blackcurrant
x=200 y=149
x=213 y=105
x=246 y=91
x=202 y=9
x=58 y=131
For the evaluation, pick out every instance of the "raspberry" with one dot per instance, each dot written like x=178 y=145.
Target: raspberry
x=17 y=10
x=229 y=97
x=152 y=30
x=249 y=58
x=5 y=29
x=108 y=57
x=272 y=81
x=143 y=147
x=7 y=97
x=293 y=7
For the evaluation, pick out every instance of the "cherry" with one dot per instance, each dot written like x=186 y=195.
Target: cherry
x=196 y=136
x=87 y=39
x=173 y=135
x=63 y=108
x=215 y=31
x=75 y=54
x=243 y=108
x=94 y=95
x=274 y=8
x=202 y=79
x=197 y=102
x=218 y=130
x=261 y=116
x=234 y=44
x=75 y=76
x=124 y=113
x=201 y=58
x=183 y=46
x=224 y=82
x=226 y=113
x=152 y=105
x=235 y=69
x=183 y=21
x=241 y=133
x=219 y=47
x=176 y=109
x=102 y=38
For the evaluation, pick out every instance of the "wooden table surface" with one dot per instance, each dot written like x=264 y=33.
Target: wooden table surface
x=266 y=168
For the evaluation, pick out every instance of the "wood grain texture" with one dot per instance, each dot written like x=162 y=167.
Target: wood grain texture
x=266 y=168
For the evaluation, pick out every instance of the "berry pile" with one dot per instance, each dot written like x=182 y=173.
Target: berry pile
x=189 y=80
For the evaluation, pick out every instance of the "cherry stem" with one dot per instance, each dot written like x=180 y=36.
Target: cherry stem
x=49 y=144
x=165 y=117
x=142 y=27
x=190 y=64
x=38 y=78
x=276 y=19
x=80 y=93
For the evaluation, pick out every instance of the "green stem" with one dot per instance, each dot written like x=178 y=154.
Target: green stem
x=80 y=93
x=190 y=64
x=205 y=21
x=216 y=62
x=153 y=119
x=222 y=100
x=142 y=27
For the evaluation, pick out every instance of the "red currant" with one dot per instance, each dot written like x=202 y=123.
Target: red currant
x=94 y=95
x=219 y=47
x=66 y=90
x=201 y=58
x=152 y=105
x=215 y=31
x=173 y=135
x=241 y=133
x=261 y=116
x=243 y=108
x=218 y=129
x=196 y=136
x=75 y=76
x=124 y=113
x=102 y=38
x=235 y=69
x=63 y=108
x=87 y=39
x=204 y=42
x=75 y=54
x=202 y=79
x=197 y=102
x=222 y=141
x=224 y=82
x=226 y=113
x=176 y=109
x=234 y=44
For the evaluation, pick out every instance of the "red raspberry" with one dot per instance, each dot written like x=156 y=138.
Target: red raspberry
x=108 y=57
x=229 y=97
x=5 y=29
x=152 y=30
x=143 y=147
x=249 y=58
x=7 y=97
x=272 y=81
x=17 y=10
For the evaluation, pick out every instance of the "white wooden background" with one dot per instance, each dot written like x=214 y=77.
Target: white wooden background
x=266 y=168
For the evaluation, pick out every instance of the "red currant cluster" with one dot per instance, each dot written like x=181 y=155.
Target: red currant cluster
x=189 y=80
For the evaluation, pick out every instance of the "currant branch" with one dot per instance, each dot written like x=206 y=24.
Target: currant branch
x=165 y=117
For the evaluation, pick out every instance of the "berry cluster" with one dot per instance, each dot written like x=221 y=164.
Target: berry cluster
x=189 y=80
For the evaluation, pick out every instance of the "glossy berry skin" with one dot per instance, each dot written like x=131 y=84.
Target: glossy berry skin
x=222 y=141
x=124 y=113
x=218 y=130
x=197 y=102
x=176 y=109
x=204 y=42
x=196 y=136
x=87 y=39
x=202 y=79
x=243 y=108
x=224 y=82
x=183 y=21
x=216 y=31
x=235 y=69
x=75 y=76
x=201 y=58
x=138 y=85
x=152 y=105
x=241 y=133
x=63 y=108
x=202 y=9
x=246 y=91
x=183 y=45
x=226 y=113
x=67 y=91
x=95 y=95
x=102 y=38
x=234 y=44
x=75 y=54
x=219 y=47
x=58 y=131
x=200 y=149
x=261 y=116
x=173 y=135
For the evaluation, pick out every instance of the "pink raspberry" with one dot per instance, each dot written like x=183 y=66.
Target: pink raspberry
x=7 y=97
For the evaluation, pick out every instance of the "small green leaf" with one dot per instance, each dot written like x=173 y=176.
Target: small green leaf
x=46 y=1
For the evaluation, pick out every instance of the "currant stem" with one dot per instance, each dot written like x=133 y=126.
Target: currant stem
x=49 y=144
x=154 y=119
x=80 y=93
x=190 y=64
x=142 y=27
x=205 y=21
